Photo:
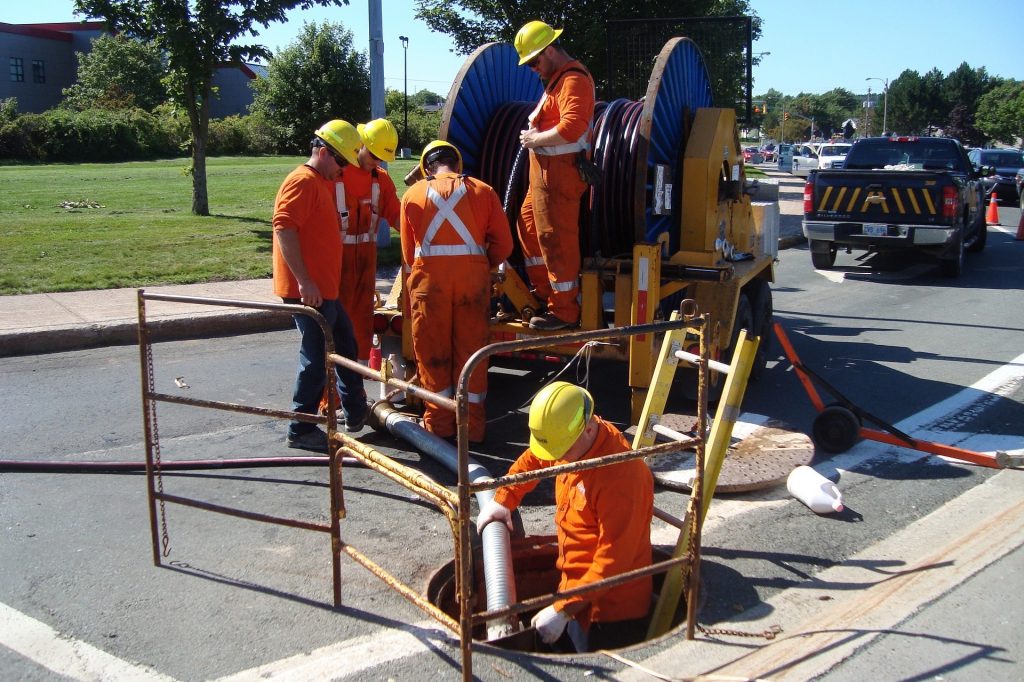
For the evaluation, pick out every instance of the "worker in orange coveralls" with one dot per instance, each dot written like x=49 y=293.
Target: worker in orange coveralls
x=454 y=232
x=603 y=519
x=366 y=198
x=559 y=132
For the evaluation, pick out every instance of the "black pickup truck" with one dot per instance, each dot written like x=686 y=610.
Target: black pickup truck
x=896 y=193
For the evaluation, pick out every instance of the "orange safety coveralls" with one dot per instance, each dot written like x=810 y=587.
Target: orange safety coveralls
x=454 y=232
x=363 y=198
x=603 y=519
x=549 y=218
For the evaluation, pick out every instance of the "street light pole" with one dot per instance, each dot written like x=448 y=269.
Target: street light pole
x=405 y=88
x=885 y=101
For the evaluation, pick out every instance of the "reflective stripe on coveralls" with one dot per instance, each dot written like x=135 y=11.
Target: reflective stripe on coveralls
x=449 y=294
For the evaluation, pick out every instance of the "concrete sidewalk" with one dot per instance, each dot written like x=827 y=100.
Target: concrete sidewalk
x=48 y=323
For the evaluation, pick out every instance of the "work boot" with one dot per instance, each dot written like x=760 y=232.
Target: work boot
x=355 y=425
x=548 y=323
x=315 y=440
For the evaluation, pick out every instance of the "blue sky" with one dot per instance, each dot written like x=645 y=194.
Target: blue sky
x=814 y=46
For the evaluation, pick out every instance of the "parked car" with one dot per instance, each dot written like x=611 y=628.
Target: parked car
x=827 y=156
x=752 y=155
x=1007 y=162
x=784 y=153
x=805 y=158
x=768 y=152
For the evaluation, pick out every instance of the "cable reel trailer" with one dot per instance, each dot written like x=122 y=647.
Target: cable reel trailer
x=670 y=218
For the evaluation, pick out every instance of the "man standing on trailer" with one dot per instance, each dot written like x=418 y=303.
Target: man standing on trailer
x=559 y=133
x=307 y=270
x=454 y=232
x=603 y=519
x=366 y=199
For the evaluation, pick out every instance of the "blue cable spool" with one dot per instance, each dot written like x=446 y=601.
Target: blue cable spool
x=490 y=77
x=679 y=85
x=630 y=139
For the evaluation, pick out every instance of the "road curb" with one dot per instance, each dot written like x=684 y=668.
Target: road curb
x=180 y=328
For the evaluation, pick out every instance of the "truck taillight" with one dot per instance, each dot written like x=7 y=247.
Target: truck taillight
x=949 y=204
x=809 y=197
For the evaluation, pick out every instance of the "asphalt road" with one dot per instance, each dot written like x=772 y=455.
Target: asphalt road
x=941 y=359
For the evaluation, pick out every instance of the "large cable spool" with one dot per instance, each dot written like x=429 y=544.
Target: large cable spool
x=489 y=103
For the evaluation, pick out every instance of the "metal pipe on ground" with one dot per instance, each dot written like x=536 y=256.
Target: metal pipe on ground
x=499 y=577
x=118 y=467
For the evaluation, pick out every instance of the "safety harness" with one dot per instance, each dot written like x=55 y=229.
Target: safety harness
x=343 y=212
x=580 y=145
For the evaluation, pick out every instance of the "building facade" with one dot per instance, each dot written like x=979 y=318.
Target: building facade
x=41 y=62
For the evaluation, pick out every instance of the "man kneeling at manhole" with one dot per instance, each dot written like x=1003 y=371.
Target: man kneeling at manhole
x=603 y=518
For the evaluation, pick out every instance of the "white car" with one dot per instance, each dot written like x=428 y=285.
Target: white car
x=828 y=155
x=832 y=156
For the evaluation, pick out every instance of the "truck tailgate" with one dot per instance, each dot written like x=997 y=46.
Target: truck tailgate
x=903 y=197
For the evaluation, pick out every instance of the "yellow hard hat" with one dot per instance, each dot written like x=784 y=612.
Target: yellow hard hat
x=380 y=137
x=428 y=158
x=558 y=415
x=342 y=137
x=533 y=38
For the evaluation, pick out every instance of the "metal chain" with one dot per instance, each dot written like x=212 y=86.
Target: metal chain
x=767 y=634
x=165 y=539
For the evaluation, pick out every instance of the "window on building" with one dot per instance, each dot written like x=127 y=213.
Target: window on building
x=38 y=71
x=17 y=70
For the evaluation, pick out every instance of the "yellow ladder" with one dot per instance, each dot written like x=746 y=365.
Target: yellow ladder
x=715 y=448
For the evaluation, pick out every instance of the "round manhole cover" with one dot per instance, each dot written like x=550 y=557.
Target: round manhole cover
x=762 y=453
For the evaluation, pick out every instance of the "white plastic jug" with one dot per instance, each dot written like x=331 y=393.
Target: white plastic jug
x=817 y=492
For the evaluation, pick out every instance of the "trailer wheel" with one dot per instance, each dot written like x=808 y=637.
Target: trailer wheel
x=761 y=301
x=836 y=429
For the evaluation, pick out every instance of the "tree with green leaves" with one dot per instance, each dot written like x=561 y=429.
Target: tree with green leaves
x=424 y=126
x=318 y=77
x=197 y=36
x=1000 y=113
x=119 y=72
x=471 y=23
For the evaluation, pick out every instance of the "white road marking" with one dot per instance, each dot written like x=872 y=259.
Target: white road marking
x=72 y=658
x=344 y=659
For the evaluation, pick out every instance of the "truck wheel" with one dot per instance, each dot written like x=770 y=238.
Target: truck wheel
x=823 y=254
x=836 y=429
x=761 y=301
x=977 y=242
x=953 y=266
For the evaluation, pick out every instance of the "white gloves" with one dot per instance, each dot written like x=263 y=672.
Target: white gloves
x=492 y=511
x=550 y=623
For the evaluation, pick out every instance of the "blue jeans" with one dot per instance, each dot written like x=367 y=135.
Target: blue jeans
x=312 y=378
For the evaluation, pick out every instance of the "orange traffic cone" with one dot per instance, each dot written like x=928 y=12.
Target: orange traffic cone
x=992 y=216
x=1020 y=227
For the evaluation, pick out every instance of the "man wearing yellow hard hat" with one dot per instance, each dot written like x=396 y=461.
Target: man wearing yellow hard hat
x=367 y=202
x=454 y=232
x=603 y=519
x=559 y=132
x=307 y=270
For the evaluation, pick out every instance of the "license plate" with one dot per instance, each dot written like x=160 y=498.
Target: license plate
x=875 y=230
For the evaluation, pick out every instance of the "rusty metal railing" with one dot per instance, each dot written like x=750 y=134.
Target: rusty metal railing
x=454 y=506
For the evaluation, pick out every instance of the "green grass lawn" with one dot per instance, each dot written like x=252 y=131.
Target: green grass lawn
x=130 y=224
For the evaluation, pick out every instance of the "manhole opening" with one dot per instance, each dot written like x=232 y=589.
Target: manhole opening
x=533 y=560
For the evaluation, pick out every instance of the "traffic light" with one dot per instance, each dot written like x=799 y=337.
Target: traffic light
x=785 y=116
x=757 y=109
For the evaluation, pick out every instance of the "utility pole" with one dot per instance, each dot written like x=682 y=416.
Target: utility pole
x=405 y=89
x=376 y=60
